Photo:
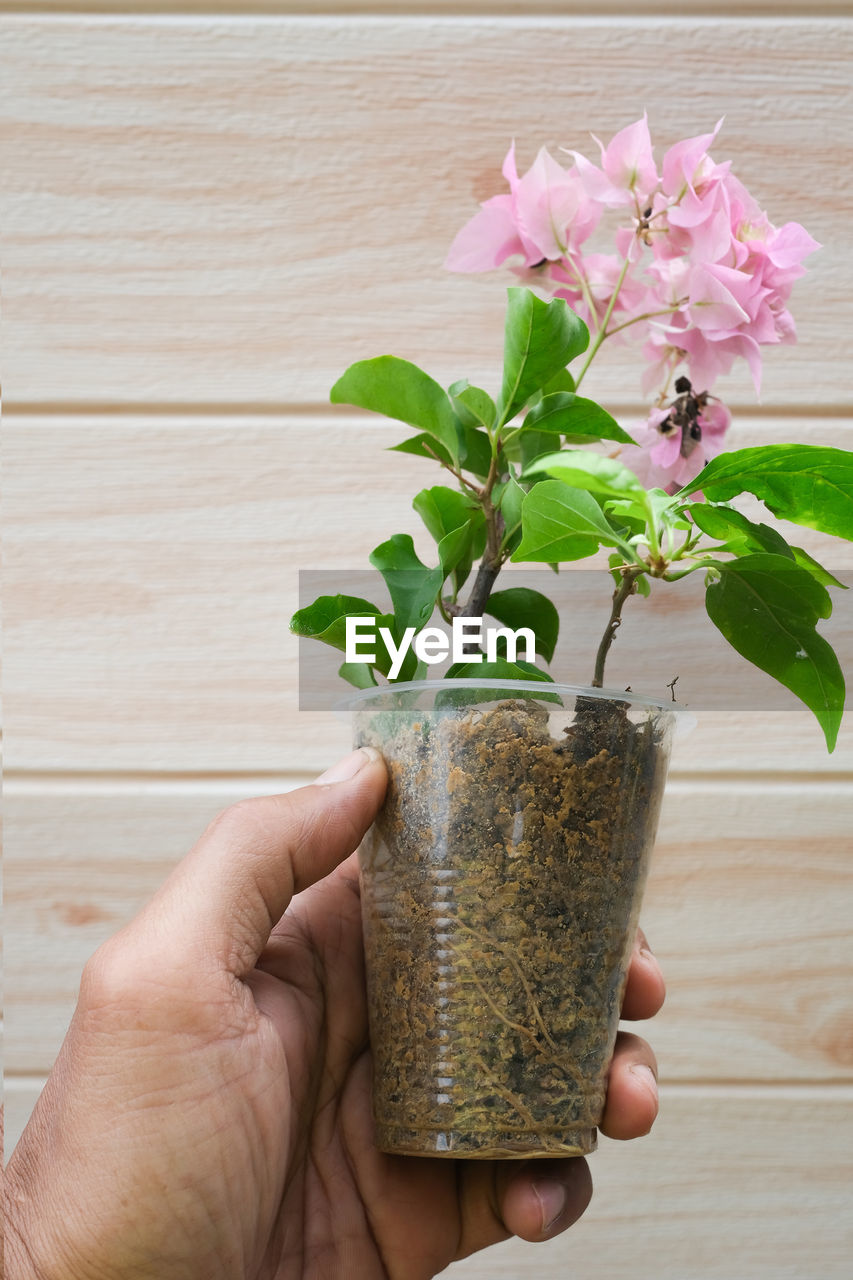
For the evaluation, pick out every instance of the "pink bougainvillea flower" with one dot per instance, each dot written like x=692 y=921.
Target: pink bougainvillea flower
x=546 y=214
x=715 y=419
x=733 y=305
x=566 y=275
x=629 y=162
x=638 y=458
x=627 y=174
x=687 y=165
x=773 y=254
x=675 y=442
x=715 y=298
x=488 y=239
x=787 y=246
x=661 y=357
x=552 y=208
x=601 y=272
x=600 y=277
x=664 y=446
x=699 y=271
x=709 y=356
x=699 y=228
x=785 y=327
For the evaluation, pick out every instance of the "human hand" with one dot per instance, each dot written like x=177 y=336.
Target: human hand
x=209 y=1113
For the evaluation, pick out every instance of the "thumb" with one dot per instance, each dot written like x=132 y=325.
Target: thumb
x=221 y=902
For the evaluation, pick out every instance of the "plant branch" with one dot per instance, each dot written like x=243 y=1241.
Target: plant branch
x=602 y=331
x=483 y=583
x=586 y=292
x=626 y=588
x=453 y=471
x=493 y=555
x=648 y=315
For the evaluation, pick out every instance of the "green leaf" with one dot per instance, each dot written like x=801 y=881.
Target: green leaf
x=319 y=621
x=412 y=585
x=767 y=608
x=540 y=340
x=821 y=575
x=529 y=446
x=457 y=523
x=423 y=446
x=475 y=407
x=743 y=535
x=644 y=505
x=567 y=414
x=453 y=548
x=508 y=496
x=642 y=585
x=811 y=485
x=500 y=670
x=628 y=515
x=562 y=523
x=521 y=607
x=325 y=620
x=443 y=510
x=732 y=526
x=462 y=564
x=475 y=452
x=583 y=469
x=401 y=390
x=359 y=674
x=562 y=381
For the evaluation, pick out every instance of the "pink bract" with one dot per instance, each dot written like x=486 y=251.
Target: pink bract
x=547 y=214
x=663 y=461
x=627 y=175
x=699 y=272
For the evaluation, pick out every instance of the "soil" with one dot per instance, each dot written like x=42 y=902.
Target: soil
x=501 y=885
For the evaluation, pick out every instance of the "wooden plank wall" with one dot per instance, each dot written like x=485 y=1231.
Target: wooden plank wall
x=208 y=214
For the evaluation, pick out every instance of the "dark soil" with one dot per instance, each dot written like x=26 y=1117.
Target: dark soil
x=501 y=888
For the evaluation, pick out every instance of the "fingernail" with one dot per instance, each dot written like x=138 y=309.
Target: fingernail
x=349 y=766
x=643 y=948
x=651 y=961
x=644 y=1073
x=552 y=1200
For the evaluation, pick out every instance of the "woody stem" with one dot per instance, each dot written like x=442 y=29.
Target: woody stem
x=626 y=587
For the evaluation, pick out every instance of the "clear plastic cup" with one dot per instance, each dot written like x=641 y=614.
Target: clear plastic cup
x=501 y=888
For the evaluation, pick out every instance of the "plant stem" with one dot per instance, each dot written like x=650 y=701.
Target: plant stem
x=602 y=332
x=583 y=285
x=493 y=557
x=648 y=315
x=483 y=583
x=652 y=533
x=490 y=565
x=454 y=471
x=626 y=588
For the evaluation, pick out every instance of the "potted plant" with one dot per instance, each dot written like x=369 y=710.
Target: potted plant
x=501 y=883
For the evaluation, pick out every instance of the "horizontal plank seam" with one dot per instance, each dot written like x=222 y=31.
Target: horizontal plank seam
x=498 y=12
x=788 y=12
x=55 y=409
x=22 y=782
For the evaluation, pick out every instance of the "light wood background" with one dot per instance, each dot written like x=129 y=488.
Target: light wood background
x=207 y=214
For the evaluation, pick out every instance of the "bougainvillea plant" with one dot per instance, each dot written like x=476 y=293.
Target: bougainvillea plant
x=700 y=278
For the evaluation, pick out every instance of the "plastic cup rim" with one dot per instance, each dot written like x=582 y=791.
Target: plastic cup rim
x=685 y=719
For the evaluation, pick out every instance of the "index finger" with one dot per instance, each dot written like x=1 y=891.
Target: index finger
x=223 y=900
